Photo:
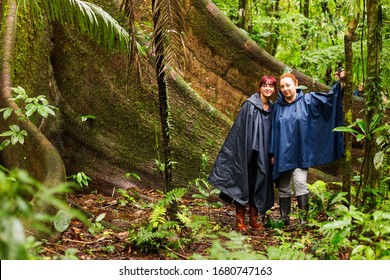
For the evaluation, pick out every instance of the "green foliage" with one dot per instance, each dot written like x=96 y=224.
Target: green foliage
x=20 y=197
x=365 y=235
x=204 y=165
x=28 y=107
x=81 y=178
x=96 y=226
x=324 y=201
x=381 y=133
x=169 y=228
x=124 y=198
x=62 y=220
x=132 y=175
x=91 y=19
x=87 y=117
x=362 y=131
x=235 y=247
x=287 y=252
x=16 y=135
x=347 y=231
x=274 y=224
x=314 y=43
x=205 y=194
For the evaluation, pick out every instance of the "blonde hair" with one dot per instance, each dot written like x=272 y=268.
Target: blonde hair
x=289 y=75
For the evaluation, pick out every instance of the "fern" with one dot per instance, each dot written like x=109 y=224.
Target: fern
x=173 y=196
x=158 y=216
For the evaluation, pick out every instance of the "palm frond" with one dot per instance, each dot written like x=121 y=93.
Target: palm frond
x=169 y=33
x=135 y=50
x=90 y=18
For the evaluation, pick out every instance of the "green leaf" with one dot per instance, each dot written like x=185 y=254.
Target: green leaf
x=100 y=217
x=14 y=128
x=360 y=137
x=85 y=118
x=338 y=224
x=50 y=110
x=19 y=91
x=375 y=121
x=378 y=129
x=7 y=112
x=362 y=125
x=42 y=111
x=370 y=253
x=379 y=214
x=345 y=129
x=7 y=133
x=62 y=221
x=30 y=109
x=378 y=159
x=4 y=144
x=196 y=195
x=340 y=236
x=132 y=174
x=20 y=138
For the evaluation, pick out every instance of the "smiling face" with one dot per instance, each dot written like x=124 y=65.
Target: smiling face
x=267 y=87
x=267 y=90
x=288 y=87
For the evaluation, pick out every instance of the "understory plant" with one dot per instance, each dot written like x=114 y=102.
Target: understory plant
x=380 y=131
x=346 y=232
x=21 y=197
x=28 y=107
x=171 y=226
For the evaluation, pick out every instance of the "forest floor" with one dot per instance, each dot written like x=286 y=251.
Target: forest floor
x=111 y=241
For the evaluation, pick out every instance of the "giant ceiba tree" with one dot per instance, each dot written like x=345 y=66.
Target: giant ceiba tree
x=107 y=122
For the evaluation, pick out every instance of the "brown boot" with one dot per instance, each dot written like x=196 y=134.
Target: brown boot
x=253 y=218
x=240 y=217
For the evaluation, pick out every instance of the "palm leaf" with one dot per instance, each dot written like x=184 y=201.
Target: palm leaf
x=90 y=18
x=135 y=50
x=169 y=33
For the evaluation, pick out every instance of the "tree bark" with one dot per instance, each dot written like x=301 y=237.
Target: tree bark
x=272 y=10
x=244 y=14
x=349 y=38
x=163 y=100
x=373 y=95
x=37 y=155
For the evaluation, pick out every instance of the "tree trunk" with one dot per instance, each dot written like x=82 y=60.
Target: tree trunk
x=272 y=10
x=305 y=12
x=349 y=38
x=163 y=99
x=373 y=96
x=244 y=14
x=37 y=155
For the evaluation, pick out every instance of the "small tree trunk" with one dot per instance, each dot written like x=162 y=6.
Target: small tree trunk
x=244 y=14
x=272 y=9
x=163 y=103
x=373 y=83
x=347 y=163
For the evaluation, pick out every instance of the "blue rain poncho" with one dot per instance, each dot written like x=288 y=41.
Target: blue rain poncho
x=242 y=167
x=302 y=135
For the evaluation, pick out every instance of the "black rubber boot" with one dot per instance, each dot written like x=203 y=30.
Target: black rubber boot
x=285 y=209
x=303 y=206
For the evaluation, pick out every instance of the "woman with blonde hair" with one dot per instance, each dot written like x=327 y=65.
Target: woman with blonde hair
x=302 y=137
